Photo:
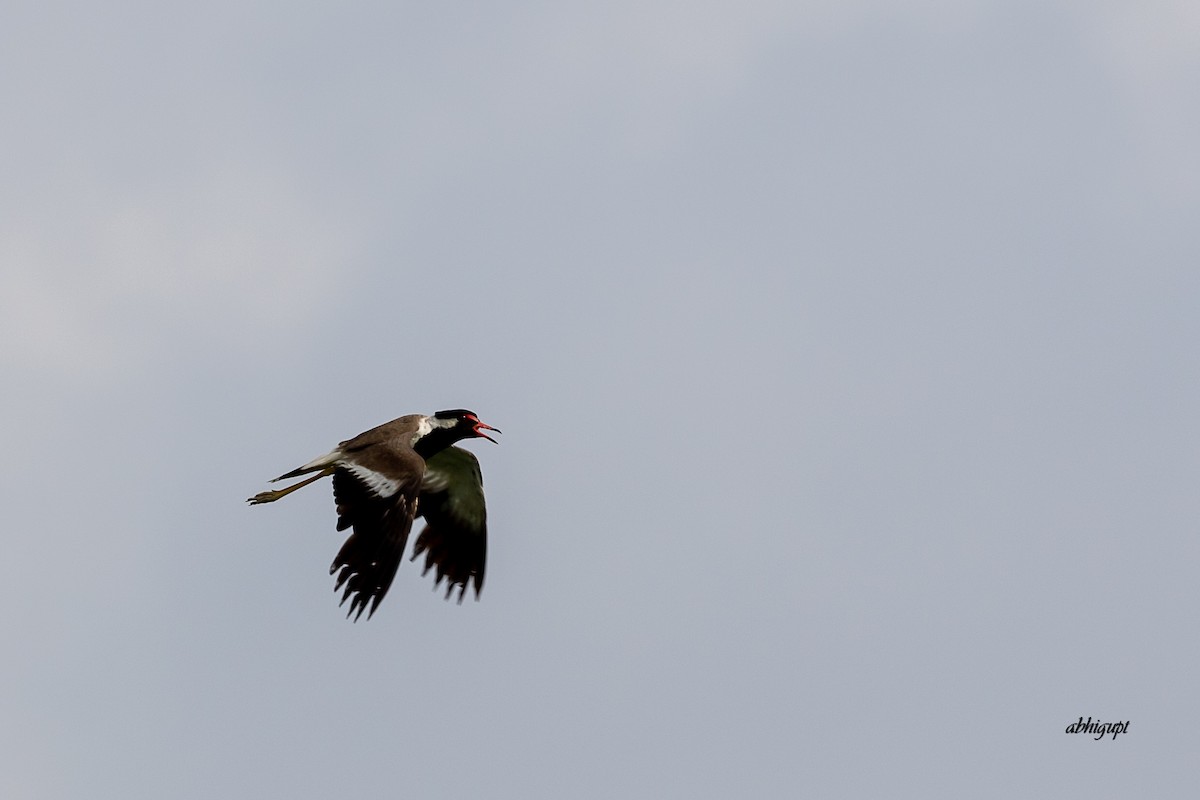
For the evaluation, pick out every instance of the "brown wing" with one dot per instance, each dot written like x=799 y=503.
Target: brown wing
x=455 y=535
x=376 y=492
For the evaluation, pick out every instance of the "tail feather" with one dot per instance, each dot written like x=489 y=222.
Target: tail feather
x=327 y=460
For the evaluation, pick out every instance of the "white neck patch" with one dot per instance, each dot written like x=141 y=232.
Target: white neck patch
x=427 y=424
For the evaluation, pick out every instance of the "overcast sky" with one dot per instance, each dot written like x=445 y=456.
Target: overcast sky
x=845 y=353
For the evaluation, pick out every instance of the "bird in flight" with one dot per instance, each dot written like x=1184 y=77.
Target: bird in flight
x=386 y=477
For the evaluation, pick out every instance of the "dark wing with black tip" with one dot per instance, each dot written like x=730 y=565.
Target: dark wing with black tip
x=376 y=492
x=455 y=536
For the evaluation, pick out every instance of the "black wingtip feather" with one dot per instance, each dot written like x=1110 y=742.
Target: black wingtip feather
x=367 y=562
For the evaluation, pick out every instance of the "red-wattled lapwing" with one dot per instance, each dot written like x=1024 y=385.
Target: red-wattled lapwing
x=382 y=480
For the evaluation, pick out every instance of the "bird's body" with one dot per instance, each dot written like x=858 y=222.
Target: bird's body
x=386 y=477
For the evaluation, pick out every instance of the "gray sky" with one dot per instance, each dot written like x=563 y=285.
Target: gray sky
x=845 y=354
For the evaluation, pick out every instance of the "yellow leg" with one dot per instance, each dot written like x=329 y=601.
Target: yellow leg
x=275 y=494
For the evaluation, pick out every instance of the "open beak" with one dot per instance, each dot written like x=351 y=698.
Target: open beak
x=480 y=427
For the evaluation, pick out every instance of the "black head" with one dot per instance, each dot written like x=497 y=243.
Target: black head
x=466 y=424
